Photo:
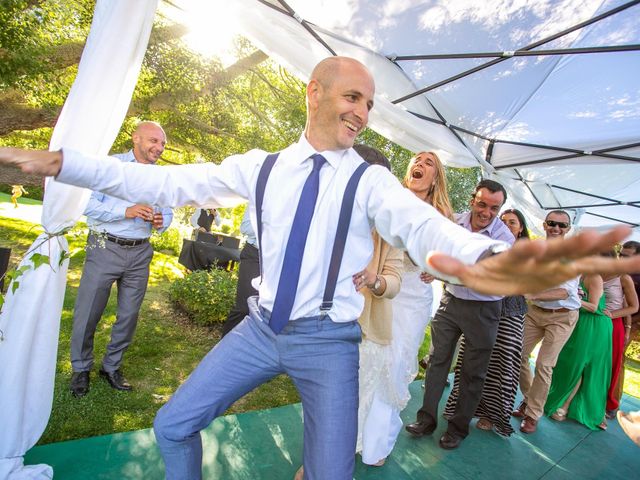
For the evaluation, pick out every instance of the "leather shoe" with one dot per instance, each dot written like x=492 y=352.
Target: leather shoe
x=528 y=425
x=520 y=411
x=79 y=384
x=116 y=380
x=449 y=442
x=419 y=429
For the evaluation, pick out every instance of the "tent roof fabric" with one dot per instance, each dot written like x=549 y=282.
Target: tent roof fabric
x=543 y=95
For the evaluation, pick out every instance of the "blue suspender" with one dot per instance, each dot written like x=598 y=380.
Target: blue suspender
x=342 y=230
x=341 y=237
x=263 y=176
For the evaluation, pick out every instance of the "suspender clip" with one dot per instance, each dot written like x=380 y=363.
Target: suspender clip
x=325 y=307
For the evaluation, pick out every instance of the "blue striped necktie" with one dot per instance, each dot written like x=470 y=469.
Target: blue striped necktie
x=290 y=273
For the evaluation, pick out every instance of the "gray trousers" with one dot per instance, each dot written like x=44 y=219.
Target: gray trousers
x=479 y=323
x=106 y=263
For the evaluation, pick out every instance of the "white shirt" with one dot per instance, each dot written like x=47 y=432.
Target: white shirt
x=572 y=302
x=399 y=216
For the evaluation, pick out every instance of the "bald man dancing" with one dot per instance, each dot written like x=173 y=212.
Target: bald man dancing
x=304 y=322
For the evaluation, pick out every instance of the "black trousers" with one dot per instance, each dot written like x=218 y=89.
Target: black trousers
x=478 y=321
x=248 y=270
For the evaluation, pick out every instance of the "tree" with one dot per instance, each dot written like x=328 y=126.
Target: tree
x=208 y=111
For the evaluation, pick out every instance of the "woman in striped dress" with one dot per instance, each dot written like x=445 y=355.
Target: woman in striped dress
x=501 y=383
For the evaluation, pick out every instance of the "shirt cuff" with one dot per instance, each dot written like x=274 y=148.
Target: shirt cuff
x=470 y=254
x=121 y=212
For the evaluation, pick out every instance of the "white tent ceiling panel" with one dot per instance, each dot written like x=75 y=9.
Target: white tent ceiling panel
x=553 y=105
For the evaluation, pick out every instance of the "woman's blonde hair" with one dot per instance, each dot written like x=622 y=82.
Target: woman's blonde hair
x=438 y=193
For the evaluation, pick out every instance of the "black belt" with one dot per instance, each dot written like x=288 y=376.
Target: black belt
x=126 y=242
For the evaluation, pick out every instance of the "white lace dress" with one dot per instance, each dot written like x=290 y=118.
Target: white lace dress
x=387 y=370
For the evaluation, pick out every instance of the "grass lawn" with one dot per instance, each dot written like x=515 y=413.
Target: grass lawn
x=6 y=198
x=165 y=350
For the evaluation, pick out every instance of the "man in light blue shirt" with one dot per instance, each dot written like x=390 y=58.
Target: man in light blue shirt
x=118 y=250
x=464 y=311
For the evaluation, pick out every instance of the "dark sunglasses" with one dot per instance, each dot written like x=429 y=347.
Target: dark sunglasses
x=553 y=223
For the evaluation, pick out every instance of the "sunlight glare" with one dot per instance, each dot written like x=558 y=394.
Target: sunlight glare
x=212 y=29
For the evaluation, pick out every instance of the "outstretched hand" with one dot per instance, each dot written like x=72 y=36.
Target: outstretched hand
x=533 y=266
x=36 y=162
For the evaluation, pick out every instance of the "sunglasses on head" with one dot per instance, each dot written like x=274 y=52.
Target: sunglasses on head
x=553 y=223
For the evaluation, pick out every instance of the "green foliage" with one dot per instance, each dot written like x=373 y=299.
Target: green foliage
x=206 y=296
x=231 y=220
x=35 y=36
x=170 y=241
x=32 y=191
x=461 y=182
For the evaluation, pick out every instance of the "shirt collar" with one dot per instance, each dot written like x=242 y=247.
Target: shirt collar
x=130 y=157
x=465 y=221
x=305 y=150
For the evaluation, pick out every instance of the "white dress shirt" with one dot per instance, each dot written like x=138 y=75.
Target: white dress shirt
x=400 y=217
x=572 y=302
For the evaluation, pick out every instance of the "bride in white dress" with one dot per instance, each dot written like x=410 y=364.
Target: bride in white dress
x=387 y=370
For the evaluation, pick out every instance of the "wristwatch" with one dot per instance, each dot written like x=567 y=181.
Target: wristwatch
x=377 y=284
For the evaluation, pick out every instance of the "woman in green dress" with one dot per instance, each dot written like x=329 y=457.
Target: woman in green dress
x=583 y=372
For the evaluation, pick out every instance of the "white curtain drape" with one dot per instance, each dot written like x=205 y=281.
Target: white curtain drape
x=30 y=320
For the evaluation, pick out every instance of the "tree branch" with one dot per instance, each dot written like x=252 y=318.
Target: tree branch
x=16 y=116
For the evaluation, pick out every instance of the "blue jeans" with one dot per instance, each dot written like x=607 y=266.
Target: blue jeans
x=319 y=355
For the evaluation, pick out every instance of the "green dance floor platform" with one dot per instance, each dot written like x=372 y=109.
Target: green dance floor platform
x=267 y=445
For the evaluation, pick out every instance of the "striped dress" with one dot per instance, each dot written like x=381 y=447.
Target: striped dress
x=501 y=383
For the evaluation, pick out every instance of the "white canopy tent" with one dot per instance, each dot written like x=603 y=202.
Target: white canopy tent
x=543 y=95
x=560 y=128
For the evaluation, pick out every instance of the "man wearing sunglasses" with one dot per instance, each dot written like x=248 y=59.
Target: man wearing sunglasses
x=551 y=318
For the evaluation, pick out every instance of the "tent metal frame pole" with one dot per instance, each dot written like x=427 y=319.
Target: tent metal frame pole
x=599 y=197
x=520 y=53
x=632 y=224
x=275 y=7
x=591 y=205
x=574 y=150
x=567 y=157
x=287 y=10
x=526 y=184
x=444 y=123
x=489 y=153
x=573 y=153
x=528 y=47
x=449 y=126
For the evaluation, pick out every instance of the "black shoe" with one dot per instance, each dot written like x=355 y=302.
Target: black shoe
x=116 y=380
x=419 y=429
x=449 y=442
x=79 y=384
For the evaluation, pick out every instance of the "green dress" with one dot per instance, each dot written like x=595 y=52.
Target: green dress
x=586 y=355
